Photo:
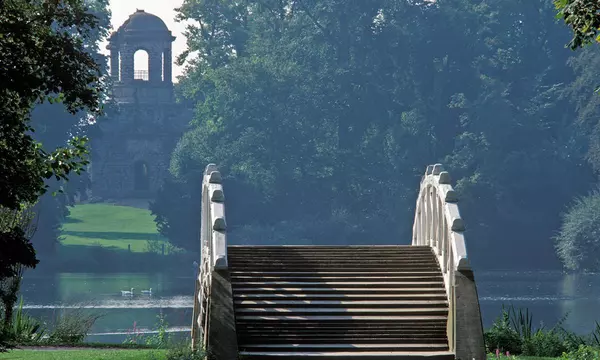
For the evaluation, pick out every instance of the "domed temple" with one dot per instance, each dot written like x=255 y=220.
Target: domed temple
x=130 y=159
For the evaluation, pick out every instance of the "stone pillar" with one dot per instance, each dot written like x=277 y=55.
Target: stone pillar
x=114 y=63
x=155 y=65
x=222 y=337
x=469 y=328
x=127 y=65
x=168 y=65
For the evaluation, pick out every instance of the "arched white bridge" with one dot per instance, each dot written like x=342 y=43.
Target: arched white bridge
x=339 y=302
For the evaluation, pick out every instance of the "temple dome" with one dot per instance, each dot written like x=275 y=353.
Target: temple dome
x=143 y=21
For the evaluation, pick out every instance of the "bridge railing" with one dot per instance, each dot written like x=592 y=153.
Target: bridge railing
x=438 y=224
x=213 y=248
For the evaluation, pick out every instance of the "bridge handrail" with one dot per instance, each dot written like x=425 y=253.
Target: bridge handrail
x=438 y=224
x=213 y=250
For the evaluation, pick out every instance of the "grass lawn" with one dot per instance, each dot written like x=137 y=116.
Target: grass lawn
x=84 y=355
x=493 y=356
x=109 y=226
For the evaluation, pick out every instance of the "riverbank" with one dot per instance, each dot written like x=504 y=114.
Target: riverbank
x=111 y=238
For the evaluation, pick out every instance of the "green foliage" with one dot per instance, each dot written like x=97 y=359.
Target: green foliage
x=16 y=230
x=503 y=336
x=544 y=344
x=43 y=47
x=583 y=16
x=577 y=243
x=172 y=223
x=513 y=331
x=71 y=326
x=582 y=353
x=24 y=329
x=184 y=352
x=581 y=94
x=326 y=107
x=134 y=335
x=54 y=126
x=161 y=340
x=87 y=354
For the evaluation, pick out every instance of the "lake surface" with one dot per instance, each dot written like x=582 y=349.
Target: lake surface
x=548 y=295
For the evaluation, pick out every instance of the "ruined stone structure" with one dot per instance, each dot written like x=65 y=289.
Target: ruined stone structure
x=131 y=158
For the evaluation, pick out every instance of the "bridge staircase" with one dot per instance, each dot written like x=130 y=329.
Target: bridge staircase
x=373 y=302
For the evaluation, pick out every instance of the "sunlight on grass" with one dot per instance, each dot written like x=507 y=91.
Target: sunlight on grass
x=493 y=357
x=109 y=226
x=96 y=354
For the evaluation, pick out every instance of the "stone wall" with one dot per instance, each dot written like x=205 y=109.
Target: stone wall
x=137 y=135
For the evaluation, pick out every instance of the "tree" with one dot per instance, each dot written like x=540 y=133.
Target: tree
x=577 y=242
x=172 y=223
x=55 y=126
x=333 y=108
x=583 y=16
x=44 y=60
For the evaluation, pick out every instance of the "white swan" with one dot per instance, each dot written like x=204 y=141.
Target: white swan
x=147 y=292
x=127 y=293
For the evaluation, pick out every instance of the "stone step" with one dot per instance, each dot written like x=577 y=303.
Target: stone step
x=391 y=329
x=329 y=259
x=336 y=284
x=341 y=355
x=287 y=248
x=309 y=291
x=416 y=295
x=345 y=325
x=339 y=268
x=356 y=347
x=332 y=273
x=307 y=311
x=343 y=303
x=238 y=278
x=380 y=338
x=326 y=318
x=331 y=255
x=315 y=336
x=338 y=302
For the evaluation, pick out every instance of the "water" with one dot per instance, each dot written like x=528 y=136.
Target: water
x=47 y=296
x=548 y=295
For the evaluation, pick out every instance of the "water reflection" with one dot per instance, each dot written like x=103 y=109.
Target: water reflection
x=48 y=296
x=548 y=295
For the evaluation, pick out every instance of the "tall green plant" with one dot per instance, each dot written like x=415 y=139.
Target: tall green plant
x=162 y=339
x=72 y=326
x=25 y=329
x=521 y=321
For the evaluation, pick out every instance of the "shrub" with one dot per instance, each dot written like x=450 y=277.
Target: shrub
x=544 y=344
x=503 y=336
x=582 y=353
x=577 y=243
x=23 y=328
x=184 y=352
x=72 y=327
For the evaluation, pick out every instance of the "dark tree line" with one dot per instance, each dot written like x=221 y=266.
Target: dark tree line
x=322 y=114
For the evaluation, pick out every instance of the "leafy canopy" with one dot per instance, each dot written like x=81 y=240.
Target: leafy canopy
x=583 y=16
x=44 y=59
